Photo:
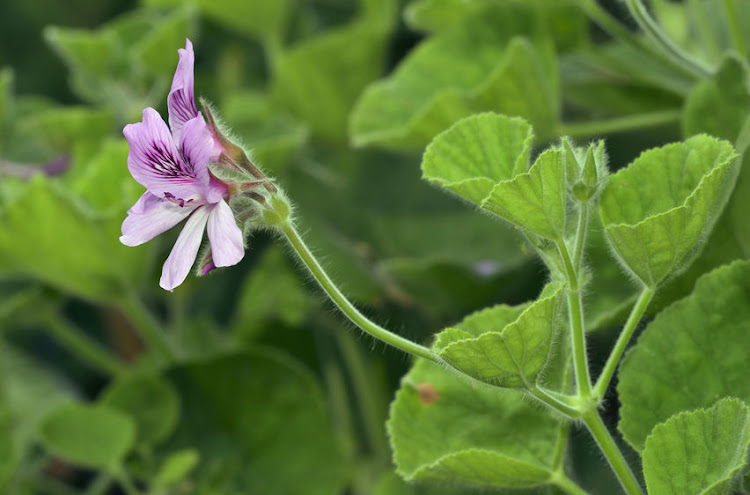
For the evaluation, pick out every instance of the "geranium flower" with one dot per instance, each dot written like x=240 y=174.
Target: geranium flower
x=173 y=167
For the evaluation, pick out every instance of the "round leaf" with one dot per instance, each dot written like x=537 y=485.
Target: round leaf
x=658 y=211
x=150 y=400
x=468 y=435
x=692 y=353
x=91 y=436
x=506 y=353
x=478 y=152
x=259 y=422
x=699 y=451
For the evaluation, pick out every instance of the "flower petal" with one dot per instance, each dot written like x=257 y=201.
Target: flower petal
x=154 y=161
x=145 y=202
x=196 y=146
x=183 y=254
x=181 y=99
x=146 y=222
x=225 y=236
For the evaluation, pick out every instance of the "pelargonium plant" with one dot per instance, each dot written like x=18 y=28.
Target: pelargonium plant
x=568 y=278
x=485 y=159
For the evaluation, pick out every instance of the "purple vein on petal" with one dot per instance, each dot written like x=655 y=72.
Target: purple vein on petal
x=181 y=99
x=155 y=162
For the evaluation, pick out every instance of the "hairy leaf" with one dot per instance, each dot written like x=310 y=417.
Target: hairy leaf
x=658 y=211
x=692 y=353
x=698 y=452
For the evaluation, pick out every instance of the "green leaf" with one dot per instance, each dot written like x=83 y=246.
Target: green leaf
x=478 y=152
x=699 y=452
x=176 y=468
x=534 y=200
x=90 y=436
x=258 y=420
x=510 y=349
x=50 y=237
x=468 y=435
x=319 y=79
x=477 y=66
x=692 y=353
x=659 y=210
x=148 y=399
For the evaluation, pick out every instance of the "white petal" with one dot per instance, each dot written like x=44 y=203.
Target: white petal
x=183 y=254
x=147 y=219
x=225 y=236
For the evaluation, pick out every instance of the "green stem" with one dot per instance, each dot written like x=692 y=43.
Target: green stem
x=561 y=445
x=622 y=341
x=734 y=27
x=547 y=398
x=578 y=333
x=81 y=346
x=366 y=397
x=345 y=306
x=654 y=31
x=607 y=445
x=147 y=326
x=620 y=124
x=613 y=27
x=581 y=230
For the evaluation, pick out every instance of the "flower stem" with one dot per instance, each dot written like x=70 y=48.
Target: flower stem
x=84 y=348
x=622 y=341
x=147 y=326
x=654 y=31
x=620 y=124
x=578 y=335
x=607 y=445
x=345 y=306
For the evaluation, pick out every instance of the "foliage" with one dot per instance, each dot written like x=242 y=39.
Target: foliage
x=573 y=179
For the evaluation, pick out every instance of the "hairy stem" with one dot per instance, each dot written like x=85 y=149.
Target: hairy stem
x=622 y=341
x=578 y=332
x=582 y=230
x=83 y=347
x=654 y=31
x=607 y=445
x=345 y=306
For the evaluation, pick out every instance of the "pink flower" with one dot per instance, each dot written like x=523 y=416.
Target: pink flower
x=173 y=167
